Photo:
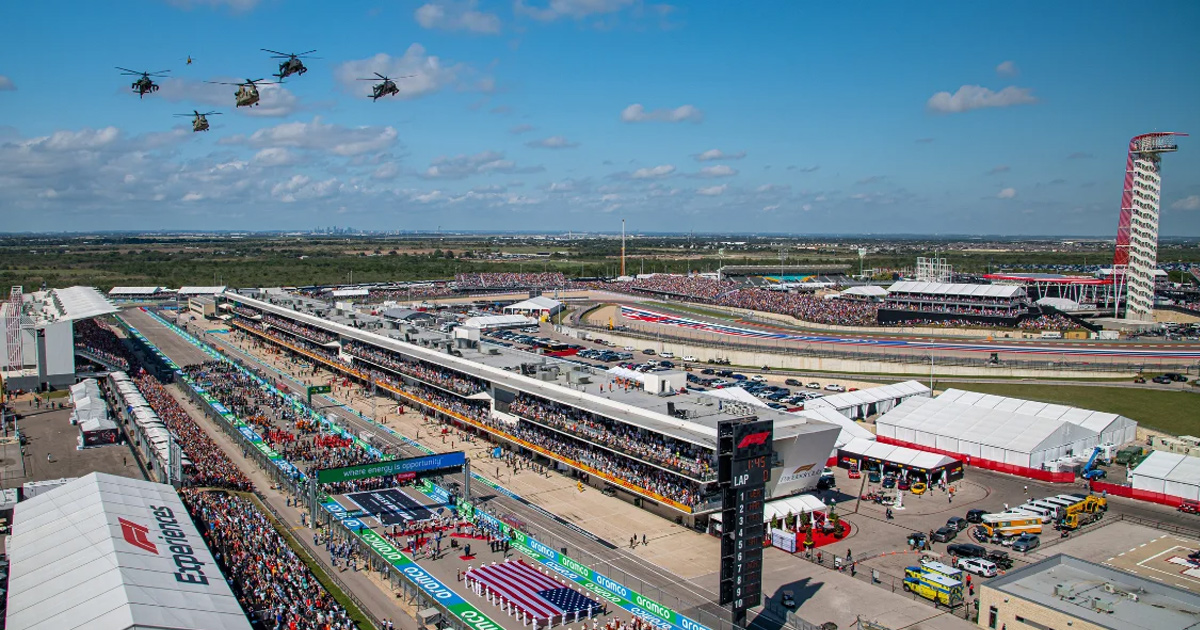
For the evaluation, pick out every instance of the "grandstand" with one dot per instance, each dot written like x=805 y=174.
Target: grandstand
x=1088 y=292
x=41 y=337
x=139 y=294
x=794 y=276
x=998 y=305
x=655 y=450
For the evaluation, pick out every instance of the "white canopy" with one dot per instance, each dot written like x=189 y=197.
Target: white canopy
x=796 y=504
x=1168 y=473
x=338 y=293
x=850 y=430
x=897 y=454
x=498 y=321
x=736 y=394
x=92 y=555
x=870 y=401
x=535 y=304
x=135 y=290
x=997 y=434
x=1113 y=429
x=868 y=290
x=628 y=374
x=185 y=291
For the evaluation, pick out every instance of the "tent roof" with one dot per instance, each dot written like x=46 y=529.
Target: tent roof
x=489 y=321
x=870 y=395
x=136 y=290
x=1170 y=467
x=82 y=558
x=350 y=293
x=963 y=290
x=996 y=427
x=897 y=454
x=851 y=430
x=201 y=290
x=1098 y=421
x=538 y=303
x=868 y=290
x=736 y=394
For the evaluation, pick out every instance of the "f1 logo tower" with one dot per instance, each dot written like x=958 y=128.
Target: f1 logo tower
x=1136 y=258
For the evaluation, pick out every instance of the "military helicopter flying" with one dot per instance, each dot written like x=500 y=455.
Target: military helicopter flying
x=144 y=85
x=291 y=63
x=388 y=87
x=200 y=121
x=247 y=93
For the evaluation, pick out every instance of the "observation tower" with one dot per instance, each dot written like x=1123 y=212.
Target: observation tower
x=1137 y=234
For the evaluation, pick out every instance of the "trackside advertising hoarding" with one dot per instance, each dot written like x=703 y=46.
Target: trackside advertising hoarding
x=394 y=467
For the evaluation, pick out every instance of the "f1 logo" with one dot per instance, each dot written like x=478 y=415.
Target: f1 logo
x=137 y=535
x=754 y=439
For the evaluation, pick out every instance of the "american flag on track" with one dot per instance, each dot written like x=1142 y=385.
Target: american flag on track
x=532 y=592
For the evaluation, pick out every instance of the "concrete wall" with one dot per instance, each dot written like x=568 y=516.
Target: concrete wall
x=1009 y=608
x=824 y=364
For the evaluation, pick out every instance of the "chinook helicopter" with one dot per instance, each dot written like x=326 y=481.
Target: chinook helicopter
x=247 y=93
x=144 y=85
x=200 y=121
x=291 y=63
x=388 y=87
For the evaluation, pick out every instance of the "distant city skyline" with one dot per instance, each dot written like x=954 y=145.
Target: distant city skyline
x=531 y=116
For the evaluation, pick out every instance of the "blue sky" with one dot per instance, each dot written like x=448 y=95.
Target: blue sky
x=564 y=115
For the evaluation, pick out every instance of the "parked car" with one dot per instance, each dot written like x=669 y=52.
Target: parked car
x=793 y=382
x=1176 y=377
x=813 y=385
x=944 y=534
x=967 y=550
x=708 y=371
x=975 y=516
x=667 y=354
x=1000 y=559
x=889 y=482
x=957 y=522
x=629 y=349
x=873 y=476
x=834 y=387
x=1026 y=543
x=758 y=378
x=904 y=484
x=978 y=566
x=788 y=600
x=648 y=351
x=690 y=358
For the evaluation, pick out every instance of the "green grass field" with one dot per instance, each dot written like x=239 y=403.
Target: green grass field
x=1177 y=413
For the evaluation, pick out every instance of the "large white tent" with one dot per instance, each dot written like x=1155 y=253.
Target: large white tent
x=850 y=430
x=870 y=401
x=1168 y=473
x=1113 y=428
x=999 y=435
x=111 y=553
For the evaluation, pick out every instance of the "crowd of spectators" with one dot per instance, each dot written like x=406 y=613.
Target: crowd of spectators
x=291 y=432
x=1048 y=321
x=102 y=342
x=209 y=465
x=267 y=577
x=665 y=451
x=508 y=280
x=314 y=348
x=308 y=332
x=422 y=370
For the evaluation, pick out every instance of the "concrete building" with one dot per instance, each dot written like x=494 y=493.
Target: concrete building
x=40 y=334
x=1063 y=592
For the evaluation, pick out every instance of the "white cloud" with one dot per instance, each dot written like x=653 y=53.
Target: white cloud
x=1191 y=202
x=6 y=84
x=1007 y=69
x=653 y=172
x=553 y=142
x=522 y=128
x=771 y=207
x=274 y=156
x=302 y=187
x=318 y=136
x=574 y=9
x=423 y=74
x=712 y=191
x=1007 y=193
x=192 y=196
x=84 y=139
x=456 y=16
x=386 y=171
x=638 y=113
x=720 y=170
x=717 y=154
x=969 y=97
x=463 y=166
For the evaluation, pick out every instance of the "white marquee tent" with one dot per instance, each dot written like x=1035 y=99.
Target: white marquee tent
x=870 y=401
x=1113 y=428
x=997 y=434
x=1168 y=473
x=91 y=554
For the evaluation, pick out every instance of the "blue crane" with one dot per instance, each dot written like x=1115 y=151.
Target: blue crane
x=1090 y=471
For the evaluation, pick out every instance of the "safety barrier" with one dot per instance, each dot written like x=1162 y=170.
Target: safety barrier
x=1129 y=492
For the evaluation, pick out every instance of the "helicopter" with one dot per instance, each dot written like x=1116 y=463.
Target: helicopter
x=144 y=84
x=247 y=93
x=200 y=121
x=291 y=63
x=388 y=87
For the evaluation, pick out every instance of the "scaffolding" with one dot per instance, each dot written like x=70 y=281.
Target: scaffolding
x=12 y=330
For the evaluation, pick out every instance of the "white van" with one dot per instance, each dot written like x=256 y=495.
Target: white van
x=667 y=354
x=978 y=566
x=1051 y=334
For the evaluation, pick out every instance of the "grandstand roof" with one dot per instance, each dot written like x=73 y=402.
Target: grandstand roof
x=1062 y=304
x=866 y=290
x=136 y=290
x=964 y=290
x=1052 y=278
x=91 y=554
x=497 y=321
x=787 y=270
x=71 y=304
x=870 y=395
x=201 y=290
x=337 y=293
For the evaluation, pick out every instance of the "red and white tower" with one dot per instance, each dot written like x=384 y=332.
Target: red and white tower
x=1136 y=258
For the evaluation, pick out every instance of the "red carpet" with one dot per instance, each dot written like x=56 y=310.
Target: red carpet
x=466 y=558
